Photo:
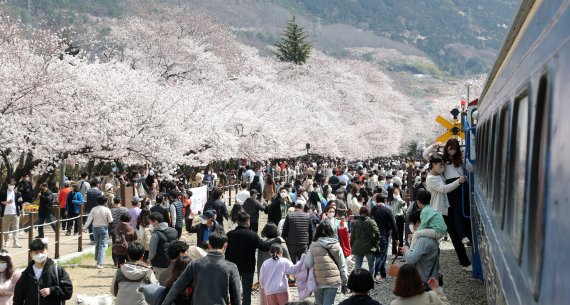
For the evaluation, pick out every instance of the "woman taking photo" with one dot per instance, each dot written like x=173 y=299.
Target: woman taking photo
x=325 y=255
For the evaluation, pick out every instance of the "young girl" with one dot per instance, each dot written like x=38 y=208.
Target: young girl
x=8 y=278
x=273 y=278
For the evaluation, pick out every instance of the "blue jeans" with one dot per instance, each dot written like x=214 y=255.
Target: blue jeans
x=100 y=234
x=325 y=296
x=358 y=259
x=246 y=284
x=381 y=255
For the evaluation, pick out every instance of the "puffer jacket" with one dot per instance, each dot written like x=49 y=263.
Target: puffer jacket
x=27 y=289
x=128 y=279
x=330 y=266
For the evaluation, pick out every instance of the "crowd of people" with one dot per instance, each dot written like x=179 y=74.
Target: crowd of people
x=323 y=219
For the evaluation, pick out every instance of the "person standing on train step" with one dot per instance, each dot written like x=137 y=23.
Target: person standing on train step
x=438 y=189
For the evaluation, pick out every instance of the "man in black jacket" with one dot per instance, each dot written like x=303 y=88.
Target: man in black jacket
x=217 y=204
x=297 y=232
x=386 y=223
x=242 y=245
x=42 y=282
x=45 y=211
x=160 y=240
x=252 y=206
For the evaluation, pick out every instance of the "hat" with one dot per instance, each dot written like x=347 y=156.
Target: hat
x=339 y=191
x=108 y=186
x=196 y=252
x=136 y=199
x=209 y=214
x=253 y=191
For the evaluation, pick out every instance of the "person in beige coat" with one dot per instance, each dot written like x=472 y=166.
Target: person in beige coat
x=326 y=256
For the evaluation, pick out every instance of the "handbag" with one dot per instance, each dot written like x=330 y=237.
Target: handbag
x=120 y=246
x=394 y=267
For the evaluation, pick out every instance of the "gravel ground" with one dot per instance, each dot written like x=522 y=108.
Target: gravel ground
x=459 y=287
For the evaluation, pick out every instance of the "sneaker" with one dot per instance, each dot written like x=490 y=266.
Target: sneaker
x=67 y=233
x=465 y=241
x=99 y=266
x=17 y=246
x=379 y=279
x=468 y=268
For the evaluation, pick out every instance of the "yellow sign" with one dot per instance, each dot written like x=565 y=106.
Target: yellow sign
x=453 y=130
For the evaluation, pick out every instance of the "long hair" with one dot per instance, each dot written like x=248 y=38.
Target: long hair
x=143 y=218
x=5 y=257
x=456 y=159
x=237 y=208
x=177 y=268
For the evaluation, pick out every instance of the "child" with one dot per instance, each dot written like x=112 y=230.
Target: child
x=273 y=277
x=360 y=282
x=131 y=276
x=432 y=223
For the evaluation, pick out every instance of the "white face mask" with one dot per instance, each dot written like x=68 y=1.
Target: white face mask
x=40 y=257
x=412 y=228
x=3 y=267
x=10 y=188
x=283 y=194
x=331 y=215
x=204 y=221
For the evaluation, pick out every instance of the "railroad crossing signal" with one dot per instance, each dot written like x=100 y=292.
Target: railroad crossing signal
x=453 y=129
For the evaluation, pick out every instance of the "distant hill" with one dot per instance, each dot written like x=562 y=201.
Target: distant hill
x=455 y=33
x=460 y=36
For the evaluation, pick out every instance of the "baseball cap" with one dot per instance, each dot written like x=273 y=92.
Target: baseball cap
x=209 y=214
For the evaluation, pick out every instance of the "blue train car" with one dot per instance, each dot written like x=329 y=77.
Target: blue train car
x=521 y=195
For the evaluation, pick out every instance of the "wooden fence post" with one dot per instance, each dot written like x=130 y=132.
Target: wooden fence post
x=57 y=230
x=80 y=229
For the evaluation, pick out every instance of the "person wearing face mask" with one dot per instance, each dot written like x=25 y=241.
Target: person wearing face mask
x=8 y=278
x=439 y=201
x=42 y=282
x=10 y=211
x=278 y=208
x=207 y=226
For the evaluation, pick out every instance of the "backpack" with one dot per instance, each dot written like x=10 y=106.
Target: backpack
x=120 y=246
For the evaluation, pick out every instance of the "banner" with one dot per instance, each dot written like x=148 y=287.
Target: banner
x=199 y=198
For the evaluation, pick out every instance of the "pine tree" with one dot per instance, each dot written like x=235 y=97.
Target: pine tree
x=294 y=46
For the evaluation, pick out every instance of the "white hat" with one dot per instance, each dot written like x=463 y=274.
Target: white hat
x=108 y=186
x=196 y=252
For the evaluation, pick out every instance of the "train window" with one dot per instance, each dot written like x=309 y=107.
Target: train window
x=489 y=159
x=501 y=161
x=517 y=174
x=538 y=188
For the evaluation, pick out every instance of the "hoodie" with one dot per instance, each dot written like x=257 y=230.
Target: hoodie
x=128 y=279
x=326 y=256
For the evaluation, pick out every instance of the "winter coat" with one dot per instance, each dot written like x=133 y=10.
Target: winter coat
x=297 y=229
x=242 y=244
x=128 y=279
x=27 y=290
x=330 y=265
x=46 y=204
x=199 y=230
x=273 y=210
x=304 y=278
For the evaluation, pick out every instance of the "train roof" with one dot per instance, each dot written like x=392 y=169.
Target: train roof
x=518 y=23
